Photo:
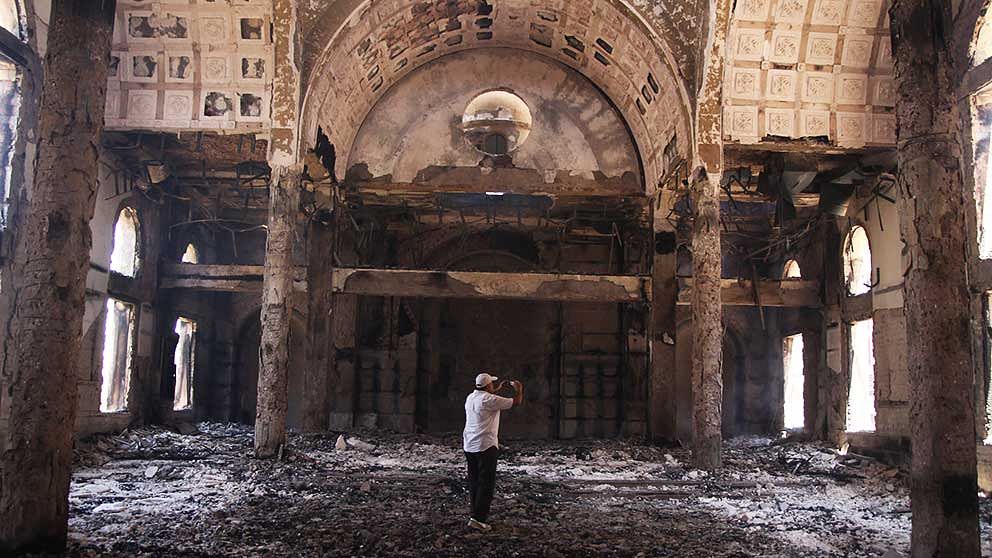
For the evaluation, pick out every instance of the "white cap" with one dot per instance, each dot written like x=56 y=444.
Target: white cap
x=483 y=380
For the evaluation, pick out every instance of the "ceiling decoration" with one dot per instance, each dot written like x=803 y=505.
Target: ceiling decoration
x=182 y=66
x=810 y=69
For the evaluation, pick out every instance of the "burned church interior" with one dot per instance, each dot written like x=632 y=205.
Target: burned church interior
x=737 y=254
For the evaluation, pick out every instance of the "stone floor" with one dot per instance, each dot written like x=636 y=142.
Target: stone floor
x=159 y=493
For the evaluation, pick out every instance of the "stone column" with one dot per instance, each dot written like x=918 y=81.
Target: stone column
x=707 y=323
x=270 y=415
x=933 y=198
x=320 y=271
x=51 y=225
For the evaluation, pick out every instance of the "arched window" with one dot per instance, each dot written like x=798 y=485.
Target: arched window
x=791 y=270
x=124 y=257
x=857 y=262
x=191 y=255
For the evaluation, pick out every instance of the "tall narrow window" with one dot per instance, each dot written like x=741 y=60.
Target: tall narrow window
x=191 y=255
x=185 y=362
x=795 y=382
x=117 y=342
x=857 y=262
x=124 y=257
x=10 y=111
x=861 y=398
x=988 y=368
x=791 y=270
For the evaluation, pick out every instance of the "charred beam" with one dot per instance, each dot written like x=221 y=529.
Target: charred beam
x=471 y=284
x=773 y=294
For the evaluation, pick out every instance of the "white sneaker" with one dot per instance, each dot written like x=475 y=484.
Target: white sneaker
x=479 y=526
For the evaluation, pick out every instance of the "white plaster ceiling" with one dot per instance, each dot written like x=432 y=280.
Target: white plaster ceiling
x=810 y=69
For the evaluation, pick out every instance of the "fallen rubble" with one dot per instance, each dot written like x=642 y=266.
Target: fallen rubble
x=153 y=492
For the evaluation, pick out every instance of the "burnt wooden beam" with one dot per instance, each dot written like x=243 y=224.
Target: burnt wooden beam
x=789 y=293
x=220 y=278
x=487 y=285
x=607 y=188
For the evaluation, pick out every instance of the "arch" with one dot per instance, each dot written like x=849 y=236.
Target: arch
x=125 y=256
x=791 y=270
x=612 y=47
x=190 y=254
x=857 y=262
x=981 y=43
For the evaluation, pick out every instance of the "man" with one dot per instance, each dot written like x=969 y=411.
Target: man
x=481 y=441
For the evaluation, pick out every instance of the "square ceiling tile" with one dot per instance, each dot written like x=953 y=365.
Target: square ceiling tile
x=828 y=12
x=817 y=87
x=785 y=47
x=814 y=123
x=790 y=11
x=852 y=89
x=752 y=10
x=745 y=83
x=851 y=129
x=749 y=44
x=780 y=122
x=782 y=85
x=821 y=48
x=857 y=51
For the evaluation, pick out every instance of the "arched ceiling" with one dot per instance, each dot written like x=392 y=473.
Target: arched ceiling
x=606 y=41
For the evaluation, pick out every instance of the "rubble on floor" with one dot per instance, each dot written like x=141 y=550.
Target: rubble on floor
x=153 y=492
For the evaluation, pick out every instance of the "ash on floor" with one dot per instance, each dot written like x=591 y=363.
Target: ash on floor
x=153 y=492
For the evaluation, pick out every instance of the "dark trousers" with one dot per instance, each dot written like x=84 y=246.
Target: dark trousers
x=482 y=481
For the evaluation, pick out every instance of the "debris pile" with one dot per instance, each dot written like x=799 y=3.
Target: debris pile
x=155 y=492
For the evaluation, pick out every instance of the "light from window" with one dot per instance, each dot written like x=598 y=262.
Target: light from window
x=985 y=212
x=791 y=270
x=496 y=122
x=983 y=43
x=115 y=372
x=857 y=262
x=9 y=18
x=795 y=382
x=10 y=111
x=191 y=255
x=861 y=397
x=988 y=368
x=185 y=359
x=124 y=258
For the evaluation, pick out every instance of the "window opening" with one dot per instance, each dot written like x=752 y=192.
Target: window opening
x=185 y=360
x=983 y=44
x=791 y=270
x=191 y=255
x=10 y=111
x=124 y=257
x=10 y=18
x=857 y=262
x=496 y=122
x=988 y=368
x=115 y=373
x=861 y=397
x=795 y=382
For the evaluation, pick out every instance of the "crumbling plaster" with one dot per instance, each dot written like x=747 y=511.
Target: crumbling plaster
x=606 y=41
x=575 y=128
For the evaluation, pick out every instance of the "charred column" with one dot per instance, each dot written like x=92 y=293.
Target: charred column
x=320 y=272
x=928 y=65
x=51 y=224
x=284 y=204
x=270 y=416
x=707 y=323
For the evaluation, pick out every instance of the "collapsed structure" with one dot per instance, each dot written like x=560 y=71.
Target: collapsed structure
x=673 y=220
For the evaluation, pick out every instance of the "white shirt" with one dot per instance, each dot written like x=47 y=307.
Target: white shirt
x=482 y=420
